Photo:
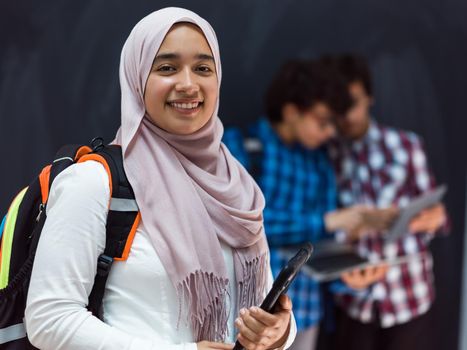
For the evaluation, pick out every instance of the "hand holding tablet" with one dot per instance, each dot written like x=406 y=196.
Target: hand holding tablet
x=401 y=226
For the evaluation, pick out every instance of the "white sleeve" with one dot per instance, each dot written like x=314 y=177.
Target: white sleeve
x=65 y=265
x=293 y=324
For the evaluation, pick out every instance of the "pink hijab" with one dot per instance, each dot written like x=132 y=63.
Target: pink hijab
x=191 y=192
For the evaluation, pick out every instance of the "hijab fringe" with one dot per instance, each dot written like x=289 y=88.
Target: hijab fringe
x=251 y=291
x=207 y=311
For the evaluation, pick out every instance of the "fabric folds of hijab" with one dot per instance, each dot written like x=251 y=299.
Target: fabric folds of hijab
x=191 y=192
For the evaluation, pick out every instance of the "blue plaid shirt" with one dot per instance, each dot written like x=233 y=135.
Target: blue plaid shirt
x=299 y=187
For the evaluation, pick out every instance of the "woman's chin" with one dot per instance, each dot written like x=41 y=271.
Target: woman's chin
x=184 y=128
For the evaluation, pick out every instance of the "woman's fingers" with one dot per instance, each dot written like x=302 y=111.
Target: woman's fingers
x=285 y=302
x=208 y=345
x=248 y=344
x=259 y=329
x=270 y=320
x=246 y=333
x=250 y=327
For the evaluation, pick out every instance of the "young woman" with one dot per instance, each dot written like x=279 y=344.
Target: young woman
x=199 y=262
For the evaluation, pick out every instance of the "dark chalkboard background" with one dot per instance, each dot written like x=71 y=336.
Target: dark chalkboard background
x=59 y=83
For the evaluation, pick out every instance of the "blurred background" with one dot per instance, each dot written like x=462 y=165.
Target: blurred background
x=59 y=84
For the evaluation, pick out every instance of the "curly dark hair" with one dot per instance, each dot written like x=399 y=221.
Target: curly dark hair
x=305 y=83
x=352 y=68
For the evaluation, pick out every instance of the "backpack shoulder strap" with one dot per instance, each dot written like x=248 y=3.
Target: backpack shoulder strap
x=65 y=156
x=122 y=220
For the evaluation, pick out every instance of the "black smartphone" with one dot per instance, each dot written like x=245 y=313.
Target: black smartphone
x=283 y=281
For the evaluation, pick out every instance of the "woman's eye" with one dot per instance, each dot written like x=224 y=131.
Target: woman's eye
x=166 y=69
x=204 y=69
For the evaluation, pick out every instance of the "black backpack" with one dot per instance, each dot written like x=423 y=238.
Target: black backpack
x=21 y=229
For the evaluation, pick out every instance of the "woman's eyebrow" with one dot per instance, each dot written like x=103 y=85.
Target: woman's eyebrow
x=203 y=56
x=176 y=56
x=167 y=56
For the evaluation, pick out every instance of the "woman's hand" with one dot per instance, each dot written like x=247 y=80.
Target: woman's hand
x=362 y=278
x=209 y=345
x=260 y=330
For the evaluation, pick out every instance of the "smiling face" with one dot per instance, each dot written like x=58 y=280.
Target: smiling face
x=182 y=88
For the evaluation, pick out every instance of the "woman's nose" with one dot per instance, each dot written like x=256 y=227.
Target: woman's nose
x=187 y=83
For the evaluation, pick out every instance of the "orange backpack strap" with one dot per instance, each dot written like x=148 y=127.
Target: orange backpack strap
x=122 y=220
x=123 y=216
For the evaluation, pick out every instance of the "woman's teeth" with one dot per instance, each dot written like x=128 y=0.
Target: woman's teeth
x=192 y=105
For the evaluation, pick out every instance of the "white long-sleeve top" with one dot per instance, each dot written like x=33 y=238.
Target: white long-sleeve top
x=140 y=302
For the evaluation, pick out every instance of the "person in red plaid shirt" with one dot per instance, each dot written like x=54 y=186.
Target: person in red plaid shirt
x=384 y=168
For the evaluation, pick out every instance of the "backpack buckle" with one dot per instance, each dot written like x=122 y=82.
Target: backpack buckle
x=97 y=144
x=104 y=263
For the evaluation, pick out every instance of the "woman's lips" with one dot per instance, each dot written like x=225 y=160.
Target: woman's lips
x=186 y=108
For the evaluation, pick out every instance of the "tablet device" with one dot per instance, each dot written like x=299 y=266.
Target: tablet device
x=323 y=273
x=401 y=226
x=330 y=259
x=283 y=280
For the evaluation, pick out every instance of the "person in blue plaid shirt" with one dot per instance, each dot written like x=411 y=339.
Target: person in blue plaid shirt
x=283 y=152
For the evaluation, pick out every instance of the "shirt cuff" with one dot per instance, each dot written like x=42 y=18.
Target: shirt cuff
x=292 y=334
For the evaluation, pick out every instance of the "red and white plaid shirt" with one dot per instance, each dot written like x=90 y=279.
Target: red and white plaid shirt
x=387 y=167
